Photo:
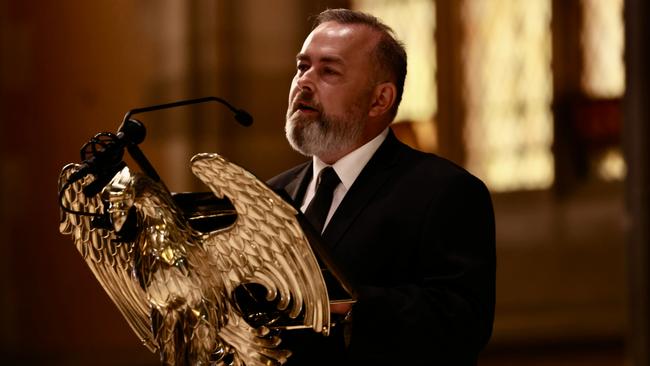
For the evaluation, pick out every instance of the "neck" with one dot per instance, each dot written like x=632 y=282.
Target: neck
x=330 y=158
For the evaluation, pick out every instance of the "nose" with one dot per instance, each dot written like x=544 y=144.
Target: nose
x=305 y=81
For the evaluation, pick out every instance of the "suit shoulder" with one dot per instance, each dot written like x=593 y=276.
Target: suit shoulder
x=440 y=172
x=435 y=164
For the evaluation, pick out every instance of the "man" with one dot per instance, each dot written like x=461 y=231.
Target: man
x=414 y=232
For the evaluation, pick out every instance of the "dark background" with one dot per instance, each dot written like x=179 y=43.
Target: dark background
x=572 y=260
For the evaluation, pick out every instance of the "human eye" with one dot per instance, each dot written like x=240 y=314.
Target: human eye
x=330 y=71
x=302 y=66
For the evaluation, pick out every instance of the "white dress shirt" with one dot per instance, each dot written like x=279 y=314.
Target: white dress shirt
x=347 y=168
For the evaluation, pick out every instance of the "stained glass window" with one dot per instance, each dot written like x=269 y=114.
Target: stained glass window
x=414 y=23
x=603 y=76
x=602 y=39
x=508 y=91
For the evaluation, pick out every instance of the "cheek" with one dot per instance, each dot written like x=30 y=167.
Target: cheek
x=337 y=102
x=293 y=89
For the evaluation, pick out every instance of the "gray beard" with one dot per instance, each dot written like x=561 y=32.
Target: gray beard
x=324 y=136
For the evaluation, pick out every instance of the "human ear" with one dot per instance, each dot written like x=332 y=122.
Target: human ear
x=382 y=99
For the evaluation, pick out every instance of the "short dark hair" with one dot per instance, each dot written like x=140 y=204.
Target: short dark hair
x=389 y=52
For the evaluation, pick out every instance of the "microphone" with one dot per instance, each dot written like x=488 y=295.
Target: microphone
x=241 y=116
x=102 y=156
x=107 y=160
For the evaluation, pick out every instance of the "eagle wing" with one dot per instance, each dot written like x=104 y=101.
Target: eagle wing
x=109 y=260
x=265 y=245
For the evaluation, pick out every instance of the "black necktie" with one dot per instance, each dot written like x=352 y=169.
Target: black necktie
x=319 y=206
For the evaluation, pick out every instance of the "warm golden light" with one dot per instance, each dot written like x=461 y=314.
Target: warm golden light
x=603 y=44
x=508 y=91
x=414 y=23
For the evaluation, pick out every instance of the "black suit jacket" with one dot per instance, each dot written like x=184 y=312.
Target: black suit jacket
x=415 y=234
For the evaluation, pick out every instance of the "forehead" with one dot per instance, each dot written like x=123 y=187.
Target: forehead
x=334 y=40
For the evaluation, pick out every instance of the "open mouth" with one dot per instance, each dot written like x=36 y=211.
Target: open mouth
x=303 y=107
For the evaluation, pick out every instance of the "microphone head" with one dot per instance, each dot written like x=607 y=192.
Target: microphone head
x=133 y=131
x=243 y=118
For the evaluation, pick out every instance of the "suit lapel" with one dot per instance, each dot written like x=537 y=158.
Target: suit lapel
x=371 y=178
x=298 y=186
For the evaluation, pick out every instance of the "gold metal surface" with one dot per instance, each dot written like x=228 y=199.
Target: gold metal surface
x=174 y=284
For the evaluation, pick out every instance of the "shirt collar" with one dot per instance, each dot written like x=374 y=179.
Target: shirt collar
x=349 y=167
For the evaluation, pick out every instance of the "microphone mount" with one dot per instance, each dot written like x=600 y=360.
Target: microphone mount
x=102 y=156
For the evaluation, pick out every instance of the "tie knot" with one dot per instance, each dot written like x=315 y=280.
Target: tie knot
x=328 y=179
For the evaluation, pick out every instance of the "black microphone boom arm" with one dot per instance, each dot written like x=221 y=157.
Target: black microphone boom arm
x=102 y=155
x=243 y=117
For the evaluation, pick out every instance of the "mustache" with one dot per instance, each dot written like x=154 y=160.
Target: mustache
x=305 y=99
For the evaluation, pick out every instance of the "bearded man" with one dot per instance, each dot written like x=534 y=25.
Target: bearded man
x=413 y=231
